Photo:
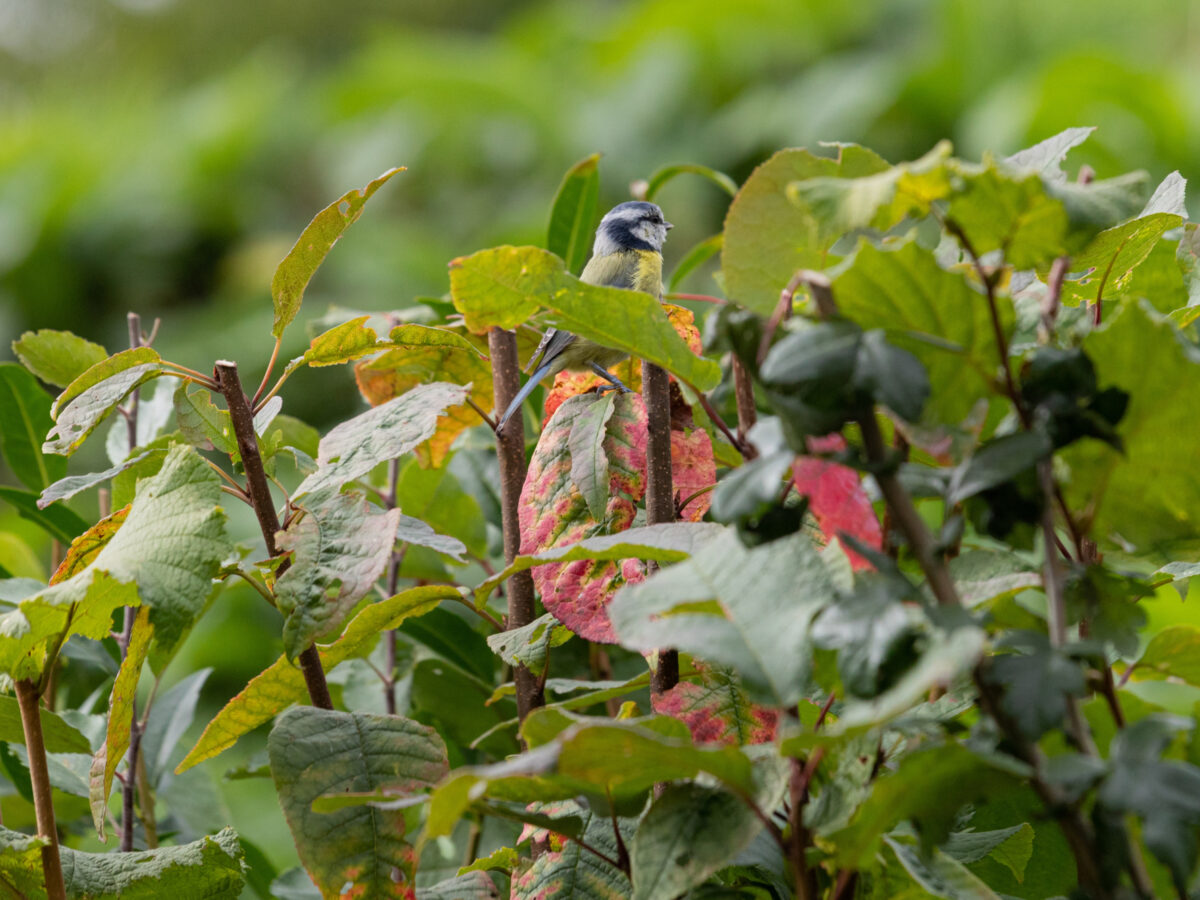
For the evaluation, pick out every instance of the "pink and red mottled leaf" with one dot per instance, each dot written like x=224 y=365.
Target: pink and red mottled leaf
x=836 y=497
x=553 y=513
x=717 y=711
x=693 y=469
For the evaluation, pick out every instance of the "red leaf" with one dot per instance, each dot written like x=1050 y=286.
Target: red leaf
x=716 y=710
x=836 y=497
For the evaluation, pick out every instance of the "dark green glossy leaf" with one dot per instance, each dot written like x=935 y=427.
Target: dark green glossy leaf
x=24 y=423
x=573 y=216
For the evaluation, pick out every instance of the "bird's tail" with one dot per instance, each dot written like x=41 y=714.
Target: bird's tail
x=542 y=371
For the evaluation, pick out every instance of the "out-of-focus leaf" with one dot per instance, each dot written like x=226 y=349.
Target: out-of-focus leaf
x=120 y=718
x=689 y=833
x=694 y=258
x=1109 y=260
x=1188 y=257
x=716 y=710
x=656 y=181
x=931 y=313
x=339 y=550
x=929 y=787
x=211 y=868
x=504 y=286
x=984 y=575
x=1100 y=204
x=281 y=684
x=878 y=199
x=1045 y=157
x=24 y=422
x=573 y=216
x=356 y=446
x=1149 y=512
x=1165 y=793
x=436 y=498
x=57 y=735
x=767 y=238
x=60 y=522
x=998 y=461
x=940 y=874
x=836 y=497
x=734 y=607
x=170 y=717
x=318 y=751
x=152 y=415
x=85 y=548
x=301 y=263
x=1173 y=652
x=57 y=357
x=1036 y=684
x=464 y=886
x=996 y=211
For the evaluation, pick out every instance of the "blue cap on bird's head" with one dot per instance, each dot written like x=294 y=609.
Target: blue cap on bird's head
x=632 y=225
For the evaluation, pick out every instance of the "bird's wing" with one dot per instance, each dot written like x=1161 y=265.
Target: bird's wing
x=555 y=341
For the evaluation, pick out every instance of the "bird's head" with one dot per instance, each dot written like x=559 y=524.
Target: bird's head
x=634 y=225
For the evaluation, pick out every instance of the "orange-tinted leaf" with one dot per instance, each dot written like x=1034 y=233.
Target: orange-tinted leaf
x=836 y=497
x=392 y=373
x=85 y=547
x=717 y=711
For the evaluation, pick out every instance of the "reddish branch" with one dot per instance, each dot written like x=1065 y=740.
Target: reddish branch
x=226 y=375
x=660 y=498
x=39 y=777
x=510 y=450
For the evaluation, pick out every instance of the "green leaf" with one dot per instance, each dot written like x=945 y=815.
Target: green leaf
x=171 y=545
x=339 y=550
x=530 y=644
x=758 y=626
x=874 y=634
x=1108 y=261
x=211 y=868
x=875 y=199
x=102 y=371
x=302 y=261
x=656 y=181
x=464 y=886
x=981 y=576
x=589 y=462
x=689 y=833
x=1045 y=157
x=997 y=211
x=1149 y=512
x=60 y=522
x=57 y=357
x=929 y=786
x=996 y=462
x=1172 y=653
x=767 y=237
x=78 y=418
x=24 y=422
x=356 y=446
x=941 y=875
x=1036 y=683
x=120 y=718
x=282 y=683
x=57 y=734
x=573 y=216
x=315 y=752
x=1188 y=257
x=1099 y=204
x=661 y=543
x=504 y=286
x=572 y=871
x=694 y=258
x=436 y=498
x=200 y=421
x=1165 y=793
x=68 y=487
x=931 y=313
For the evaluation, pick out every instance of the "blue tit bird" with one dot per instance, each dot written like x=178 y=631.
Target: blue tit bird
x=627 y=254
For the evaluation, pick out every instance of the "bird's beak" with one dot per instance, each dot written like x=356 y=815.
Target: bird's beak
x=669 y=225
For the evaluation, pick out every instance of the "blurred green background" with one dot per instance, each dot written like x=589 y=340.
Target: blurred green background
x=161 y=156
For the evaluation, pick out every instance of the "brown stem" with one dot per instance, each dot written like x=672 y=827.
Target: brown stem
x=660 y=498
x=801 y=837
x=700 y=298
x=745 y=448
x=39 y=776
x=242 y=419
x=743 y=392
x=135 y=735
x=510 y=449
x=783 y=310
x=393 y=581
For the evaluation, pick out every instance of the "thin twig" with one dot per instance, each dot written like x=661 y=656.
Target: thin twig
x=743 y=394
x=267 y=374
x=745 y=448
x=783 y=310
x=482 y=413
x=699 y=298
